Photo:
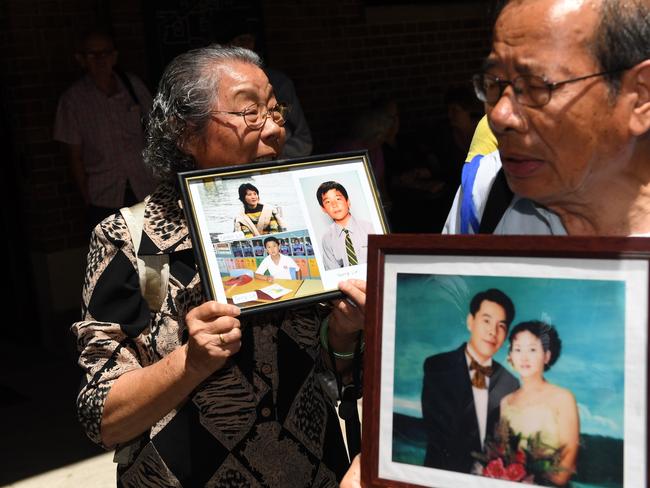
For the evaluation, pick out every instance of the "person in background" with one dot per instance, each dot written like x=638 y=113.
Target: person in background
x=372 y=128
x=430 y=186
x=453 y=139
x=191 y=394
x=99 y=121
x=236 y=31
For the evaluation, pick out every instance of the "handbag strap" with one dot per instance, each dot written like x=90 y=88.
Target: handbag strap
x=127 y=83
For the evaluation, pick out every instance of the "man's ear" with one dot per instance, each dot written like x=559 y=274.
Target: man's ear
x=80 y=59
x=640 y=86
x=469 y=321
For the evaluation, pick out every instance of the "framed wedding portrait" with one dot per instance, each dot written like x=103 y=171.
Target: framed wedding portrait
x=493 y=360
x=275 y=233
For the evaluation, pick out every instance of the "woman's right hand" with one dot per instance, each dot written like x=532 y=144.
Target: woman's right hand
x=214 y=336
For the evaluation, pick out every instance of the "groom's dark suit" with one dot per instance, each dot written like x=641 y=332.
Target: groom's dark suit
x=449 y=413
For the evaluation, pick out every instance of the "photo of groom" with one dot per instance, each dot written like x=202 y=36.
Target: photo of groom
x=462 y=388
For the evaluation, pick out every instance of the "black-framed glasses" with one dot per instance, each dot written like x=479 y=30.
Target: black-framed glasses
x=530 y=90
x=98 y=54
x=255 y=116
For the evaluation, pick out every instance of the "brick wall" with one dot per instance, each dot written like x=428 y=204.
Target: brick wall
x=340 y=54
x=37 y=65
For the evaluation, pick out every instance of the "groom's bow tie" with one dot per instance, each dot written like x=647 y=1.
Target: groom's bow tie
x=480 y=372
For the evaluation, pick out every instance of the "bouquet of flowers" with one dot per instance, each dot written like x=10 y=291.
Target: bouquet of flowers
x=513 y=457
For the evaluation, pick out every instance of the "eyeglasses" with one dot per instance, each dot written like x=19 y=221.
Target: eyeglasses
x=98 y=54
x=255 y=116
x=531 y=91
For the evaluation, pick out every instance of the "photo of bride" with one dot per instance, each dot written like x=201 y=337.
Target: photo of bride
x=539 y=421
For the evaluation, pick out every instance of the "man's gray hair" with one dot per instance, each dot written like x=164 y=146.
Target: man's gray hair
x=181 y=109
x=622 y=38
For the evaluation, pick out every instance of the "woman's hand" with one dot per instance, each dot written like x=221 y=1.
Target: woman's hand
x=352 y=478
x=214 y=336
x=141 y=397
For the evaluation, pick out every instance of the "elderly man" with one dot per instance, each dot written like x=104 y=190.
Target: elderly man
x=99 y=122
x=567 y=93
x=191 y=395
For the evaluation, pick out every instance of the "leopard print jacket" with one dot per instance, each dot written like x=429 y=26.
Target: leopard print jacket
x=263 y=420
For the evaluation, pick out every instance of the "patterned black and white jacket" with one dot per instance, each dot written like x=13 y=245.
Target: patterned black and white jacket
x=263 y=420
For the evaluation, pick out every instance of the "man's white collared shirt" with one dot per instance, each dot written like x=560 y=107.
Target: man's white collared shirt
x=480 y=395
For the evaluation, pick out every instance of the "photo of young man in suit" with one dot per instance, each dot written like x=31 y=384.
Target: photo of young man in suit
x=346 y=241
x=462 y=388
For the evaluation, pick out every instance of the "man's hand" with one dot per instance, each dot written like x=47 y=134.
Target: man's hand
x=346 y=321
x=348 y=315
x=214 y=336
x=352 y=478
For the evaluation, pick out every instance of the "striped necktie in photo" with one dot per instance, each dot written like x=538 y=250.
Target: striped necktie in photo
x=349 y=249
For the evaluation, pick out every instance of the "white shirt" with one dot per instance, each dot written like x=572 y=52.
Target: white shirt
x=109 y=131
x=282 y=270
x=334 y=250
x=480 y=395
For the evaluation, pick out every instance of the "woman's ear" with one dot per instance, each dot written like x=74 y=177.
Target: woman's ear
x=188 y=142
x=547 y=357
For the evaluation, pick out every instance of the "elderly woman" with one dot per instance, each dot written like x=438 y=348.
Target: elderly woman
x=189 y=394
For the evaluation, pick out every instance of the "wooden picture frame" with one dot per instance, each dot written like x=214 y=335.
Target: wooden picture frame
x=233 y=246
x=594 y=291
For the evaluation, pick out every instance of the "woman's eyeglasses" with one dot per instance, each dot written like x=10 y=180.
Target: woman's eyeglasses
x=255 y=116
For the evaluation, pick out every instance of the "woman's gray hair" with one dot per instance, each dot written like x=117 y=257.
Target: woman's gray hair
x=181 y=109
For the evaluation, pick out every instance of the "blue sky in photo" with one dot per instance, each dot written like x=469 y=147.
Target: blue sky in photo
x=588 y=314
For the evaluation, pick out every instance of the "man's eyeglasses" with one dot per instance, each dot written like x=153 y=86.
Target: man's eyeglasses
x=255 y=116
x=531 y=91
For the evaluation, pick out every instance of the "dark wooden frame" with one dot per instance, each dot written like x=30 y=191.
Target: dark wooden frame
x=334 y=159
x=476 y=245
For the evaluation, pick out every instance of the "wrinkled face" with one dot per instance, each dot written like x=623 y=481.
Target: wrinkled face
x=527 y=354
x=559 y=153
x=487 y=329
x=335 y=205
x=272 y=248
x=227 y=140
x=251 y=198
x=98 y=56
